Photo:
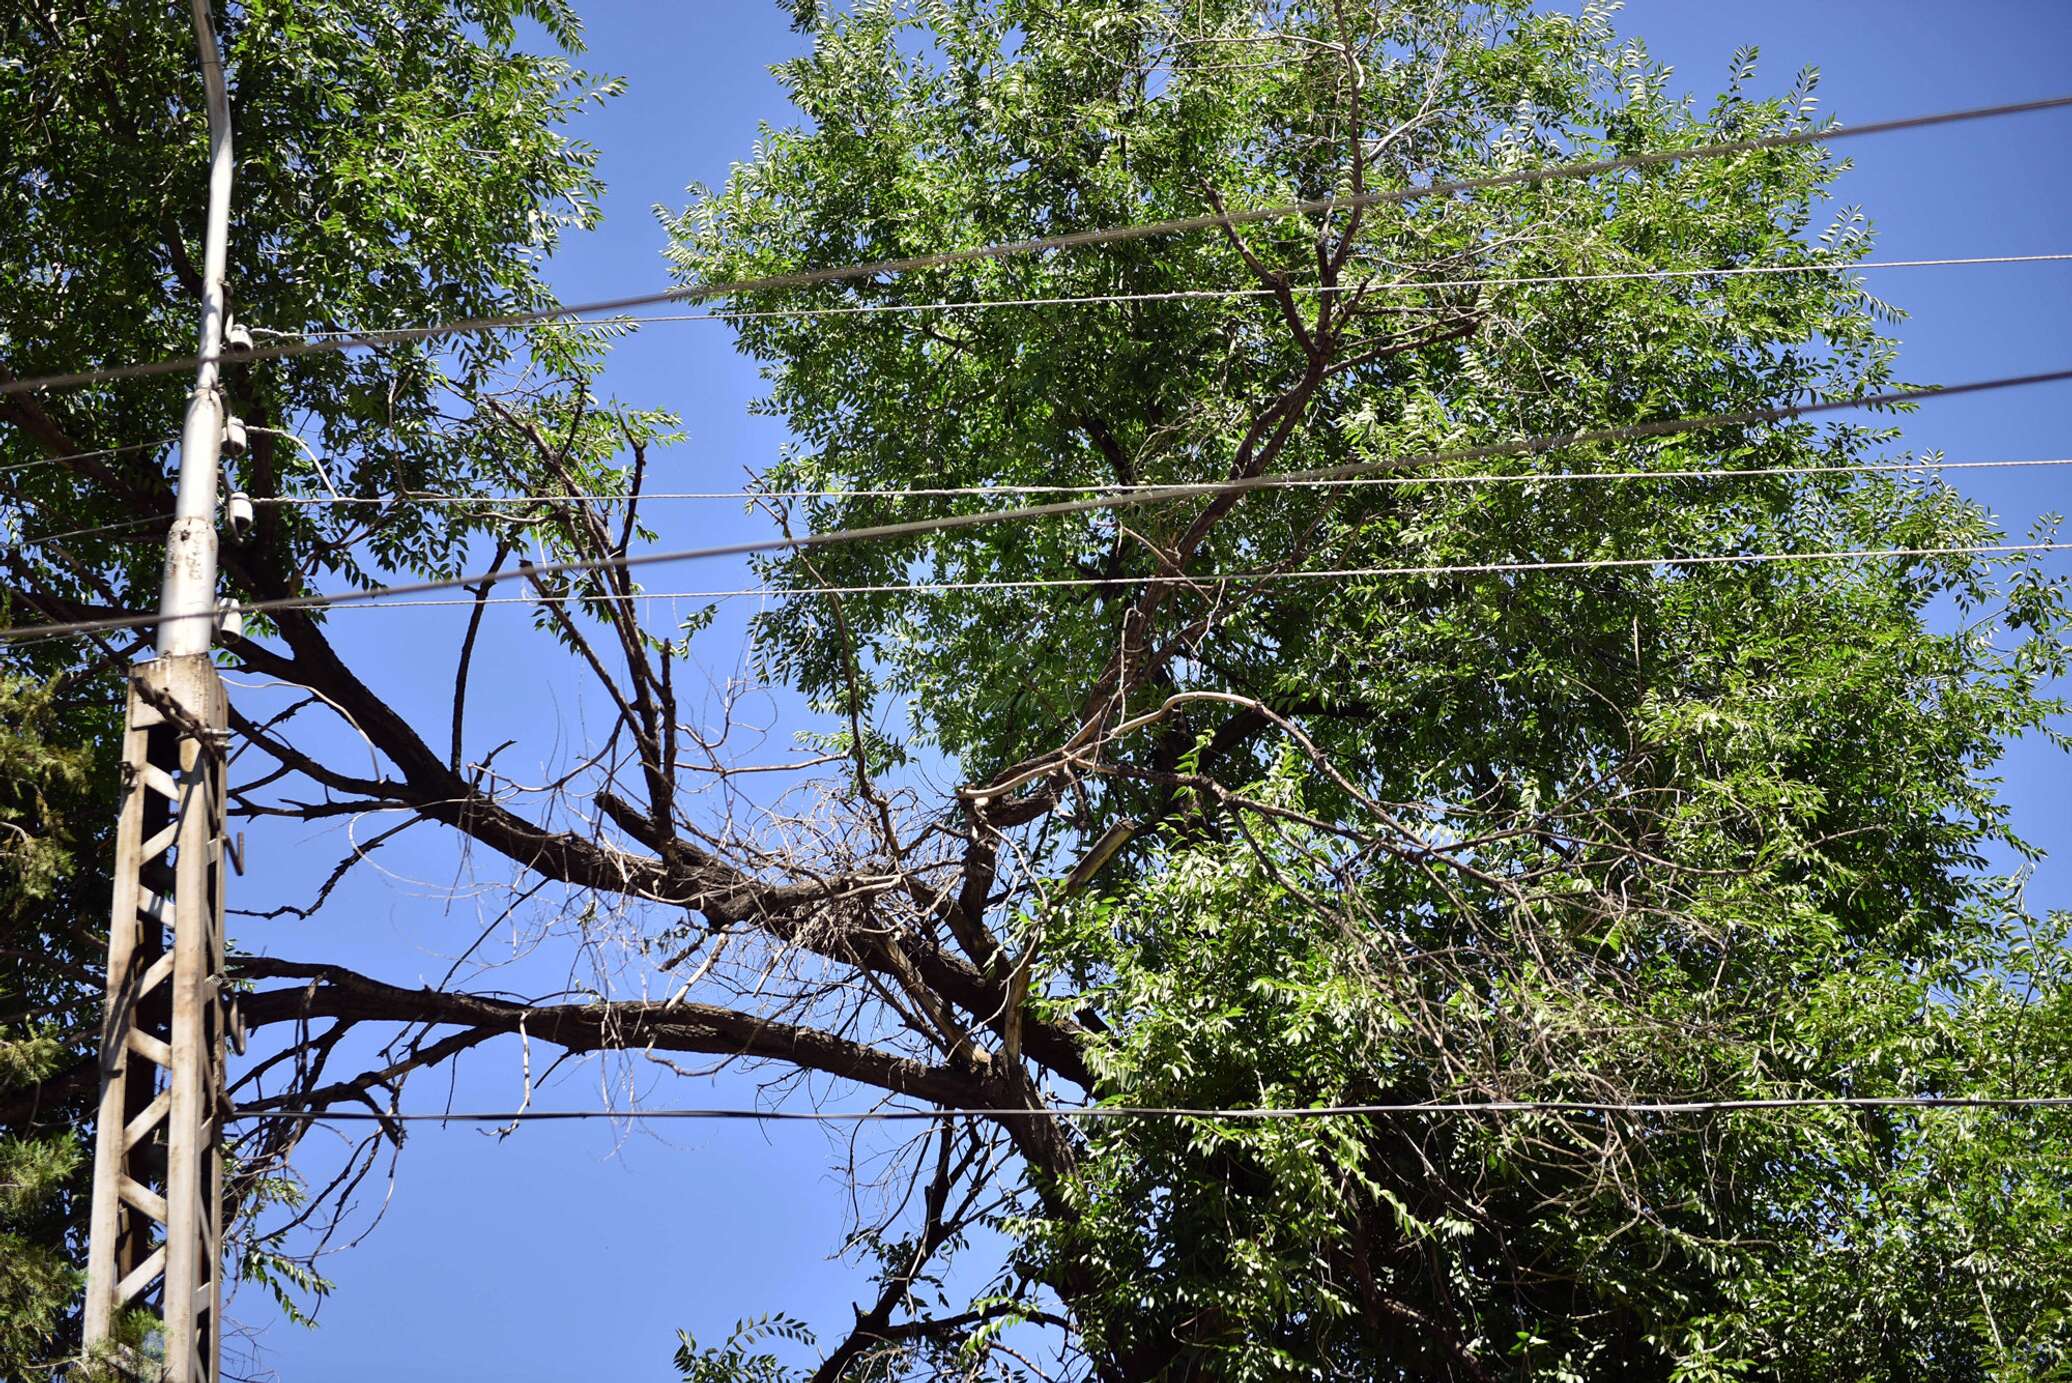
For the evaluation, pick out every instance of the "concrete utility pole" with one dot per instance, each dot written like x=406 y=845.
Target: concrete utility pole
x=157 y=1216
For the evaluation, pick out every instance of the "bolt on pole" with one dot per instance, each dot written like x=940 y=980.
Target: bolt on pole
x=157 y=1207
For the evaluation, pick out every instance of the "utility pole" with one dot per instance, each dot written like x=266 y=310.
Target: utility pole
x=157 y=1213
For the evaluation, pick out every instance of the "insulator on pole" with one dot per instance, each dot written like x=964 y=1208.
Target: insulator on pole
x=239 y=515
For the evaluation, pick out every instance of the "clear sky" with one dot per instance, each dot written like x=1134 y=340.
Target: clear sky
x=575 y=1251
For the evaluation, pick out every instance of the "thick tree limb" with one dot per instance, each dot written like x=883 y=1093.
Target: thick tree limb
x=606 y=1026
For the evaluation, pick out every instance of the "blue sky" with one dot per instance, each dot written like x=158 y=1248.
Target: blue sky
x=576 y=1250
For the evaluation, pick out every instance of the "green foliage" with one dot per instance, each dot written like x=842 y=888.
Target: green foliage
x=399 y=162
x=134 y=1349
x=288 y=1280
x=1642 y=832
x=47 y=790
x=37 y=1277
x=915 y=112
x=734 y=1361
x=1701 y=831
x=1687 y=1245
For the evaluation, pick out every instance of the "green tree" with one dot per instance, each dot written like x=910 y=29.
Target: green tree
x=396 y=163
x=1227 y=835
x=1630 y=832
x=52 y=900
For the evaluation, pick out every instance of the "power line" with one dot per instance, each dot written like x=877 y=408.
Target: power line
x=121 y=526
x=1101 y=1112
x=1069 y=240
x=1274 y=483
x=82 y=455
x=1209 y=579
x=949 y=522
x=1199 y=294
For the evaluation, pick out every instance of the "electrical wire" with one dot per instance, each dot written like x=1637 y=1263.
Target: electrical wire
x=1102 y=1112
x=1069 y=240
x=1200 y=294
x=83 y=455
x=949 y=522
x=941 y=492
x=120 y=526
x=123 y=526
x=1215 y=579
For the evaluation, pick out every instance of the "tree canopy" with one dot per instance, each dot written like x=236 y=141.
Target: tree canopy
x=1536 y=812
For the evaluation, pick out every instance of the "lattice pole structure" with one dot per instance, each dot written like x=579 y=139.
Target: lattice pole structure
x=156 y=1232
x=157 y=1215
